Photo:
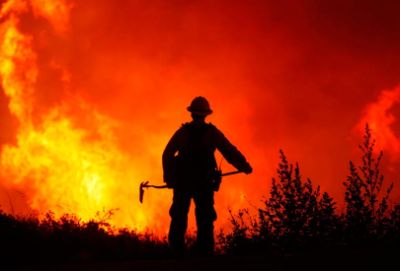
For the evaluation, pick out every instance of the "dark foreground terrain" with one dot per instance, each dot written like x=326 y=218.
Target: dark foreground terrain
x=356 y=259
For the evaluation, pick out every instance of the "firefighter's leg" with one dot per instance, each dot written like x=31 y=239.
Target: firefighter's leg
x=205 y=217
x=179 y=215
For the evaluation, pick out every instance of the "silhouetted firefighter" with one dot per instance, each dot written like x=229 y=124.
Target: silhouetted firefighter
x=191 y=170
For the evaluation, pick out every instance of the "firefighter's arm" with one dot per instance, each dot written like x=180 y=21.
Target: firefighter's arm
x=231 y=153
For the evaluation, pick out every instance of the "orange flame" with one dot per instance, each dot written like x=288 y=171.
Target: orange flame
x=64 y=168
x=17 y=69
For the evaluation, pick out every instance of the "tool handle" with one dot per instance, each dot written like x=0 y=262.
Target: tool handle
x=231 y=173
x=146 y=185
x=155 y=186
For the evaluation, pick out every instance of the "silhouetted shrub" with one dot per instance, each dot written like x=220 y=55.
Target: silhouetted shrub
x=245 y=237
x=69 y=239
x=393 y=233
x=366 y=209
x=295 y=215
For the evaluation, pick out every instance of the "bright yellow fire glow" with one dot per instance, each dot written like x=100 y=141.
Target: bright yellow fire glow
x=67 y=169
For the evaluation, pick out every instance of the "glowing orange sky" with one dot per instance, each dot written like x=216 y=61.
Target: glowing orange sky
x=290 y=75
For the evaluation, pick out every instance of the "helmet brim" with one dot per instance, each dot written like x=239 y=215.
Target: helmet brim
x=199 y=113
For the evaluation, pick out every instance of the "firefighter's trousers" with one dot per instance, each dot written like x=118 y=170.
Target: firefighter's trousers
x=205 y=217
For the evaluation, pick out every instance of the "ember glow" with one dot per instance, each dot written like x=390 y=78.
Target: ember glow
x=92 y=90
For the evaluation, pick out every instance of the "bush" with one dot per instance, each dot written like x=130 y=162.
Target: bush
x=296 y=214
x=69 y=239
x=366 y=209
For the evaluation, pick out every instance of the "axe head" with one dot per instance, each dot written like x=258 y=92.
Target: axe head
x=141 y=190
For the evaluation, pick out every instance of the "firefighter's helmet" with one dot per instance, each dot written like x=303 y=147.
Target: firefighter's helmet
x=200 y=106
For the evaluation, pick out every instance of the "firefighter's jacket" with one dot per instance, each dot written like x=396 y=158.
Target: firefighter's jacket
x=188 y=159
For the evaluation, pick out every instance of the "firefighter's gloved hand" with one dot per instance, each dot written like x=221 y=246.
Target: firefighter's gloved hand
x=169 y=182
x=246 y=168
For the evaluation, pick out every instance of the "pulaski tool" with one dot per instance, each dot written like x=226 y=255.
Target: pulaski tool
x=217 y=182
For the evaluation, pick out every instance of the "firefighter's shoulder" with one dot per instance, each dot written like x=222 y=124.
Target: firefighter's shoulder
x=217 y=133
x=213 y=127
x=184 y=129
x=185 y=125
